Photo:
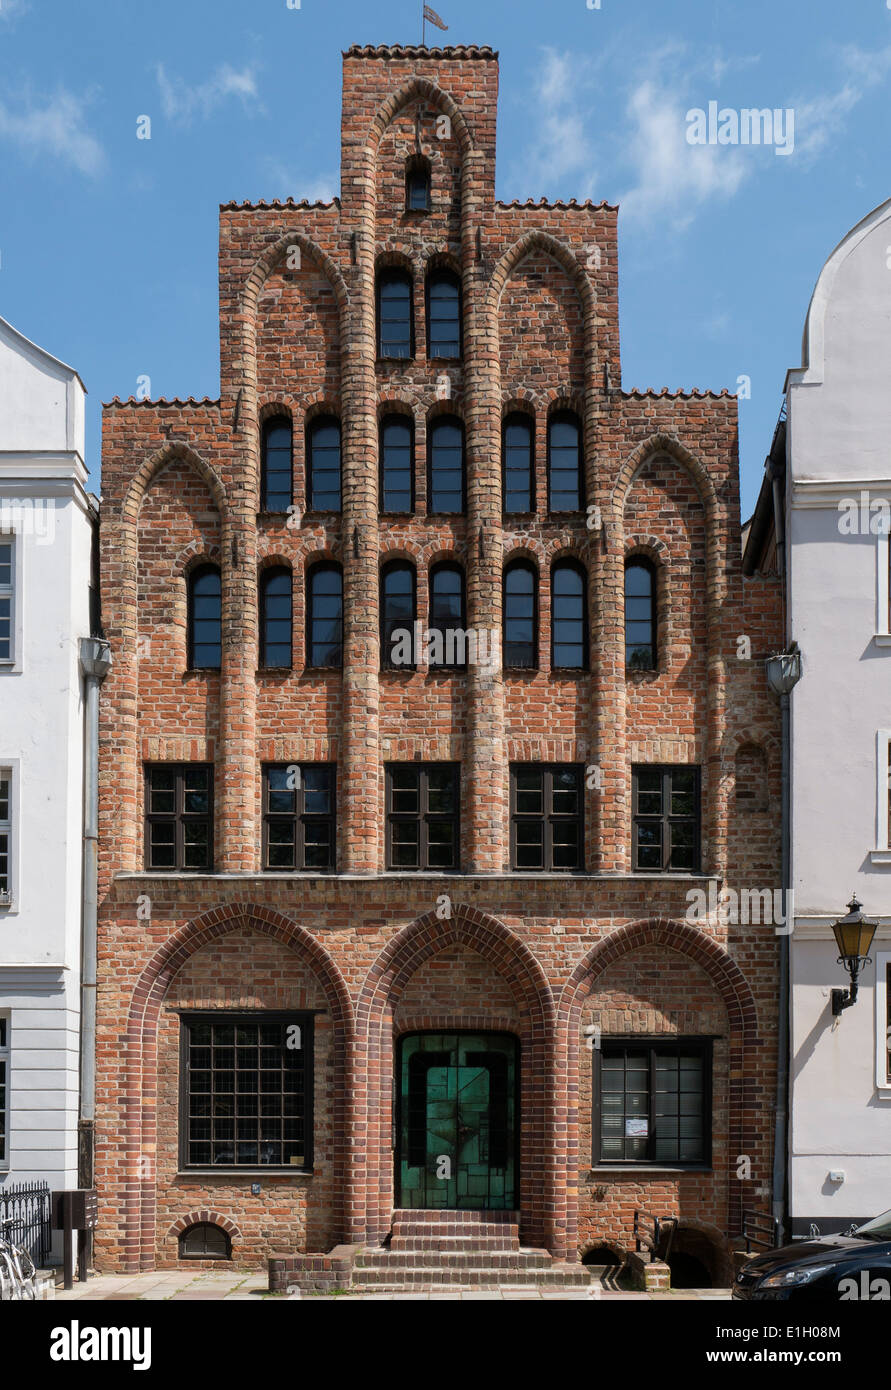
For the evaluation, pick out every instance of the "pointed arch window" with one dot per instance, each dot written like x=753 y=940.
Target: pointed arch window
x=275 y=465
x=569 y=626
x=275 y=617
x=564 y=463
x=205 y=618
x=640 y=614
x=520 y=615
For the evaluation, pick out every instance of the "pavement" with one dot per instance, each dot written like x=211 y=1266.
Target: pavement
x=233 y=1286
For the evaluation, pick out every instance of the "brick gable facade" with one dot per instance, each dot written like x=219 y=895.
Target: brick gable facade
x=540 y=955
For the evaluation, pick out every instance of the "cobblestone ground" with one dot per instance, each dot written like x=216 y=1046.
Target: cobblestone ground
x=235 y=1286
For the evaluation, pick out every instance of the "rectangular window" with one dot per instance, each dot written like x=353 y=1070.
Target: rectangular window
x=422 y=816
x=652 y=1101
x=546 y=821
x=665 y=826
x=4 y=1091
x=299 y=817
x=5 y=831
x=7 y=599
x=179 y=817
x=883 y=1021
x=246 y=1090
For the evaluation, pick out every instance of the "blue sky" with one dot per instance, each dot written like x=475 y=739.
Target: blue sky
x=108 y=243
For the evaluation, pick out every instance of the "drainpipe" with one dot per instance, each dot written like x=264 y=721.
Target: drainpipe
x=95 y=661
x=789 y=676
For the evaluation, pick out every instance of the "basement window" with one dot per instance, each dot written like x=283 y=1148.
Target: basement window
x=204 y=1241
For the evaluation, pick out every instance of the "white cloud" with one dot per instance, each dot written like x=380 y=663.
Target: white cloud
x=820 y=120
x=284 y=182
x=54 y=127
x=181 y=100
x=560 y=146
x=671 y=176
x=10 y=9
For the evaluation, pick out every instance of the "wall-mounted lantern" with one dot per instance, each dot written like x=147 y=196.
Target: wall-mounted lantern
x=853 y=934
x=783 y=671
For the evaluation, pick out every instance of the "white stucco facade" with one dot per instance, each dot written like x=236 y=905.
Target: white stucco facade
x=46 y=525
x=838 y=450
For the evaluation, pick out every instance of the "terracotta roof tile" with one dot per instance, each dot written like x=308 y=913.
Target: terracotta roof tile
x=398 y=50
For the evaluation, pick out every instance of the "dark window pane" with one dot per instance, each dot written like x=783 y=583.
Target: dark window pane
x=446 y=466
x=518 y=464
x=325 y=616
x=398 y=615
x=520 y=646
x=205 y=619
x=324 y=466
x=397 y=465
x=276 y=466
x=639 y=617
x=444 y=316
x=568 y=617
x=394 y=316
x=564 y=465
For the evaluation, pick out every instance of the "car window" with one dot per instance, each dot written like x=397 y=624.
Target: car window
x=877 y=1229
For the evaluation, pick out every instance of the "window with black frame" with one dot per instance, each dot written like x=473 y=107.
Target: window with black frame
x=275 y=617
x=179 y=817
x=205 y=619
x=324 y=616
x=397 y=453
x=665 y=819
x=446 y=472
x=395 y=329
x=546 y=817
x=520 y=616
x=422 y=816
x=323 y=458
x=398 y=610
x=652 y=1101
x=275 y=465
x=640 y=615
x=299 y=817
x=518 y=464
x=446 y=625
x=569 y=617
x=564 y=463
x=417 y=184
x=443 y=314
x=246 y=1090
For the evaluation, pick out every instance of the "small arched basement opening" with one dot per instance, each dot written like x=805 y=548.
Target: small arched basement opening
x=205 y=1241
x=697 y=1259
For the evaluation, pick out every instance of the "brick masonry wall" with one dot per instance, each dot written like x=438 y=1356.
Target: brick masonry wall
x=537 y=955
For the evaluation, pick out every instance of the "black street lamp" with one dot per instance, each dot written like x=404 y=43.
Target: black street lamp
x=853 y=935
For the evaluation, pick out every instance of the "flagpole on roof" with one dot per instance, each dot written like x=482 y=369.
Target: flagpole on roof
x=423 y=24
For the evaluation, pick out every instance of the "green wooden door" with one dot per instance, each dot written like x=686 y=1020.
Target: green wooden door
x=456 y=1124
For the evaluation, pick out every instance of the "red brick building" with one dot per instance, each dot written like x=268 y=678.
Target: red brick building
x=382 y=933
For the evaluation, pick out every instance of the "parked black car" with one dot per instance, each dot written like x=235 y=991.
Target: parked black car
x=830 y=1269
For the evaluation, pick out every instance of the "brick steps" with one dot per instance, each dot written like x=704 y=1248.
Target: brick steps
x=451 y=1251
x=439 y=1259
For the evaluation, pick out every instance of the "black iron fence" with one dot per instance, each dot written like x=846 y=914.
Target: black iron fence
x=760 y=1230
x=26 y=1208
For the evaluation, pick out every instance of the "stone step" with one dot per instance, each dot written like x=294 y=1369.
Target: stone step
x=453 y=1259
x=403 y=1230
x=558 y=1276
x=457 y=1244
x=461 y=1216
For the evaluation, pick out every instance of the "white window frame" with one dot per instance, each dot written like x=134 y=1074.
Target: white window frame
x=882 y=852
x=5 y=1065
x=883 y=1059
x=12 y=662
x=10 y=767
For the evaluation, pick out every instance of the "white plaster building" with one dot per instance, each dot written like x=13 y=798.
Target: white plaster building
x=47 y=521
x=838 y=452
